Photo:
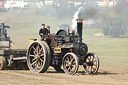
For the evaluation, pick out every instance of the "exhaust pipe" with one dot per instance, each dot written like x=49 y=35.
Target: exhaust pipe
x=79 y=30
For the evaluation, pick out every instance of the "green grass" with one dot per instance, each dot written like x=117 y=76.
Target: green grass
x=104 y=45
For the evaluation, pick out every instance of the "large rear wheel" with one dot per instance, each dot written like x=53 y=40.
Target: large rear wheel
x=37 y=57
x=49 y=52
x=70 y=63
x=2 y=63
x=91 y=63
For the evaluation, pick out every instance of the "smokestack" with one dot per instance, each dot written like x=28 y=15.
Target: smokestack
x=79 y=30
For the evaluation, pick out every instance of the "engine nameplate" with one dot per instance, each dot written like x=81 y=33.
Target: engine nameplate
x=57 y=50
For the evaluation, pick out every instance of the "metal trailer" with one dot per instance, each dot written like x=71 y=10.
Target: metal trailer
x=10 y=58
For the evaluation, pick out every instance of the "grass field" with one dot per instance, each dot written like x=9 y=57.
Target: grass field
x=24 y=27
x=104 y=45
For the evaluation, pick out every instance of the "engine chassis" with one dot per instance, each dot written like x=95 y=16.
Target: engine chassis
x=65 y=55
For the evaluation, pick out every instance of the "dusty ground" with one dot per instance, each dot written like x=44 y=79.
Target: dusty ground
x=109 y=74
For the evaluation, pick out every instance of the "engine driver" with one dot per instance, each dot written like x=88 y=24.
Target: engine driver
x=43 y=31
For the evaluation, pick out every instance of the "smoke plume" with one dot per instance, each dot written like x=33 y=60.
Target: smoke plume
x=84 y=13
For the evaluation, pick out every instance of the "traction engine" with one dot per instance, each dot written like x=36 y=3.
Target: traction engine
x=64 y=51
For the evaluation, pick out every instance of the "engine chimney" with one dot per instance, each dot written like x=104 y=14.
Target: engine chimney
x=79 y=30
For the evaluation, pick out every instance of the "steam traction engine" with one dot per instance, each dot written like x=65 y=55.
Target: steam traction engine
x=65 y=50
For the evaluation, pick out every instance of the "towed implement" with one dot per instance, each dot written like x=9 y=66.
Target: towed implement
x=10 y=58
x=64 y=51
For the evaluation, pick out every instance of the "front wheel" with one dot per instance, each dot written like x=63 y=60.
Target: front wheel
x=91 y=63
x=70 y=63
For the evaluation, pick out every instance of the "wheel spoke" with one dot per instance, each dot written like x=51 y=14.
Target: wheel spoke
x=34 y=62
x=42 y=60
x=72 y=60
x=66 y=62
x=35 y=50
x=87 y=67
x=40 y=50
x=42 y=55
x=39 y=65
x=92 y=58
x=73 y=66
x=88 y=58
x=33 y=59
x=69 y=68
x=68 y=59
x=32 y=55
x=92 y=68
x=94 y=61
x=74 y=63
x=36 y=65
x=94 y=64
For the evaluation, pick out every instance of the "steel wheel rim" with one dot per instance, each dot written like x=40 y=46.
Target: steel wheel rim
x=36 y=57
x=70 y=64
x=91 y=64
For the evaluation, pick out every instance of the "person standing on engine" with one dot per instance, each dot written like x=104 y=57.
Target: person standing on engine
x=43 y=31
x=48 y=29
